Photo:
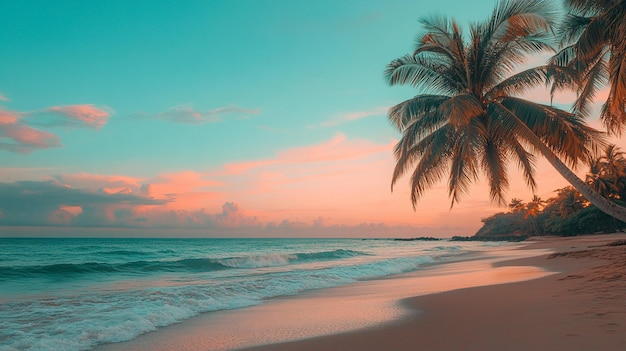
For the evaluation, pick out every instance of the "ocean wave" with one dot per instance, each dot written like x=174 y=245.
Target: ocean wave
x=92 y=319
x=193 y=265
x=446 y=248
x=122 y=253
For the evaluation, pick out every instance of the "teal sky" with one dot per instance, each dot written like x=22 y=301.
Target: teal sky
x=194 y=87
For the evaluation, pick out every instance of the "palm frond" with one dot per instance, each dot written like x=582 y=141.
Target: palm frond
x=593 y=37
x=525 y=161
x=432 y=164
x=564 y=133
x=519 y=83
x=406 y=112
x=571 y=29
x=460 y=109
x=421 y=127
x=506 y=10
x=420 y=73
x=592 y=80
x=493 y=164
x=408 y=153
x=614 y=115
x=589 y=7
x=464 y=165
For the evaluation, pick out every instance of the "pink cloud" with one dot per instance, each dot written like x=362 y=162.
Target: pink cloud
x=3 y=97
x=344 y=179
x=31 y=137
x=336 y=149
x=8 y=117
x=86 y=115
x=187 y=190
x=340 y=185
x=16 y=137
x=109 y=184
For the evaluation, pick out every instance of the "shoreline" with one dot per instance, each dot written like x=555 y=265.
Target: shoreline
x=583 y=307
x=364 y=305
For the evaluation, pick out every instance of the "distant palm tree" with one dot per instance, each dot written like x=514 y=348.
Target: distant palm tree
x=534 y=207
x=596 y=178
x=470 y=120
x=532 y=210
x=516 y=205
x=607 y=173
x=570 y=201
x=594 y=44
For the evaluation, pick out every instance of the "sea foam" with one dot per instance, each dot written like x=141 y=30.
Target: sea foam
x=113 y=302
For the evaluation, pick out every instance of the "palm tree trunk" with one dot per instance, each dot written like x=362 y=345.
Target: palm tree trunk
x=602 y=203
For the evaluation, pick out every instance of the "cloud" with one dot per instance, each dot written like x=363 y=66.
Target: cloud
x=86 y=115
x=187 y=190
x=338 y=148
x=18 y=133
x=3 y=97
x=50 y=202
x=233 y=216
x=19 y=138
x=189 y=115
x=353 y=116
x=108 y=184
x=184 y=190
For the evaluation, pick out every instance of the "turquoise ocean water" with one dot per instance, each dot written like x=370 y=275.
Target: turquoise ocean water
x=74 y=294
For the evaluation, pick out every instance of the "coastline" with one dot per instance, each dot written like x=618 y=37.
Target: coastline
x=583 y=307
x=364 y=305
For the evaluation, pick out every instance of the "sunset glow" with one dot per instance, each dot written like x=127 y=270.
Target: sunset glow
x=184 y=119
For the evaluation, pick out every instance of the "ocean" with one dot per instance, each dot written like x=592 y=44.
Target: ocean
x=74 y=294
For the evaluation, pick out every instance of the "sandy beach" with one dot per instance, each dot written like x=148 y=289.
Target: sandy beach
x=583 y=307
x=546 y=294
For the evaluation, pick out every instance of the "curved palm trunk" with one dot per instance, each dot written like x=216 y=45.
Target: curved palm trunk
x=602 y=203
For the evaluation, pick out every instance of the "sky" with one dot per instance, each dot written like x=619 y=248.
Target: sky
x=216 y=118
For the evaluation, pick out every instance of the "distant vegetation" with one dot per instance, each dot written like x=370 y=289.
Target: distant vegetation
x=568 y=213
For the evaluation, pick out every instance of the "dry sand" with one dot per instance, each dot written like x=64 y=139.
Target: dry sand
x=581 y=308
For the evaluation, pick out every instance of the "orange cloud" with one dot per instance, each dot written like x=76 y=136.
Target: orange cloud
x=102 y=182
x=86 y=115
x=187 y=190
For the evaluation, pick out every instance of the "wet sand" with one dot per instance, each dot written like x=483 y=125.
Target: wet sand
x=581 y=308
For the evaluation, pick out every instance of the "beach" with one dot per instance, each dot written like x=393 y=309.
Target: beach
x=300 y=294
x=546 y=294
x=583 y=307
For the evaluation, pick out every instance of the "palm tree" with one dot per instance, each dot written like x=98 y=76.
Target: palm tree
x=532 y=210
x=470 y=119
x=570 y=201
x=596 y=178
x=607 y=173
x=534 y=207
x=594 y=44
x=516 y=205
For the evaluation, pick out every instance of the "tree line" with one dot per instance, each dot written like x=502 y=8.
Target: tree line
x=568 y=212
